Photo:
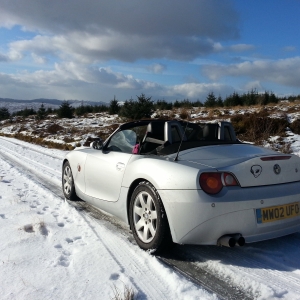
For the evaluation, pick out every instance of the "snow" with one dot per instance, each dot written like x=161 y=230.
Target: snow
x=50 y=250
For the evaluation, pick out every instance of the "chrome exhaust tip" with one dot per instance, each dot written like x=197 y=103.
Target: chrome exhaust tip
x=230 y=240
x=227 y=241
x=240 y=240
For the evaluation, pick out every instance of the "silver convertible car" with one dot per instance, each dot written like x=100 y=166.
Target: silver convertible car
x=187 y=183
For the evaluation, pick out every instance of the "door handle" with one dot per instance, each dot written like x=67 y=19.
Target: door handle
x=120 y=166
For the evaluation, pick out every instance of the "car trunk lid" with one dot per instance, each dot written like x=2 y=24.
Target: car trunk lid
x=252 y=165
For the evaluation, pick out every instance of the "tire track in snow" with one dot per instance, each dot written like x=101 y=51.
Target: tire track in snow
x=28 y=146
x=37 y=177
x=246 y=263
x=118 y=253
x=35 y=162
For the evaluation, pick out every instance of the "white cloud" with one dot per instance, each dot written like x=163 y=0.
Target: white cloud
x=289 y=49
x=251 y=85
x=198 y=90
x=218 y=47
x=76 y=81
x=241 y=47
x=14 y=55
x=283 y=71
x=88 y=48
x=157 y=68
x=4 y=58
x=209 y=18
x=97 y=30
x=38 y=59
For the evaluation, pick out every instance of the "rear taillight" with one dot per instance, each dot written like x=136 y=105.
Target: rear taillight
x=228 y=179
x=213 y=182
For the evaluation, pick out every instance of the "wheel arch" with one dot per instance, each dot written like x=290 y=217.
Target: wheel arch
x=132 y=187
x=72 y=195
x=64 y=161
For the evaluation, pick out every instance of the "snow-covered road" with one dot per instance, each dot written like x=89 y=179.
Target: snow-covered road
x=51 y=250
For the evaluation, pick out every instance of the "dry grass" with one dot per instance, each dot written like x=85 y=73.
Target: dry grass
x=295 y=126
x=185 y=114
x=214 y=113
x=68 y=139
x=54 y=128
x=258 y=127
x=127 y=294
x=286 y=148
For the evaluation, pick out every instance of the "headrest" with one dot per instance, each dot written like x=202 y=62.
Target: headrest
x=157 y=129
x=210 y=131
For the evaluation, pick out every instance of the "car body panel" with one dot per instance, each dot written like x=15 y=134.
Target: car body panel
x=243 y=159
x=203 y=218
x=77 y=161
x=111 y=167
x=161 y=172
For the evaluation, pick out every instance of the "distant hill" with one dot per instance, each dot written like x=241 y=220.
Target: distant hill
x=14 y=105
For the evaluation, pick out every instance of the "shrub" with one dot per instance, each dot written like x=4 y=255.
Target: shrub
x=295 y=126
x=184 y=114
x=54 y=128
x=68 y=139
x=257 y=127
x=163 y=105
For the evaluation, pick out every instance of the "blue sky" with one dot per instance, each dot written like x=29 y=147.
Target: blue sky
x=167 y=49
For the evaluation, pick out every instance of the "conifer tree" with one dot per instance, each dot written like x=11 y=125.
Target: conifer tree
x=65 y=110
x=220 y=102
x=211 y=100
x=41 y=113
x=114 y=106
x=4 y=113
x=142 y=108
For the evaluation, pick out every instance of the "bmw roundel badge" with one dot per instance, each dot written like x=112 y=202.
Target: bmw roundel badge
x=276 y=169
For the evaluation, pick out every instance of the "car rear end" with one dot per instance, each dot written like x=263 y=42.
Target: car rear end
x=247 y=192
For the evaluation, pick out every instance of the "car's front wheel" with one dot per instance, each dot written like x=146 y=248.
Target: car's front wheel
x=68 y=182
x=148 y=219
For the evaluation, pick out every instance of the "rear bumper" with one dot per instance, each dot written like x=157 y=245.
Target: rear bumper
x=198 y=218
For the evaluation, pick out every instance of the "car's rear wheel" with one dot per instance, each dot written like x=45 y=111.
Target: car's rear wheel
x=148 y=219
x=68 y=182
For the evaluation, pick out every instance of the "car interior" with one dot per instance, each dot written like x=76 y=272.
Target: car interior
x=164 y=137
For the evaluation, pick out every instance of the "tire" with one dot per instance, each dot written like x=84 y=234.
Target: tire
x=148 y=219
x=68 y=182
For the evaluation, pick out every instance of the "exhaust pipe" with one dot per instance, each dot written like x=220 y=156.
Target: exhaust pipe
x=240 y=240
x=227 y=241
x=231 y=240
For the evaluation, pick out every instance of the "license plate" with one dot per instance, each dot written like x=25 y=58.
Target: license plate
x=275 y=213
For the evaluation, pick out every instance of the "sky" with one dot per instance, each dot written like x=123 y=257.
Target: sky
x=168 y=50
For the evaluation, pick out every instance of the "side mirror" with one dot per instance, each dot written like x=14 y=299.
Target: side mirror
x=97 y=144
